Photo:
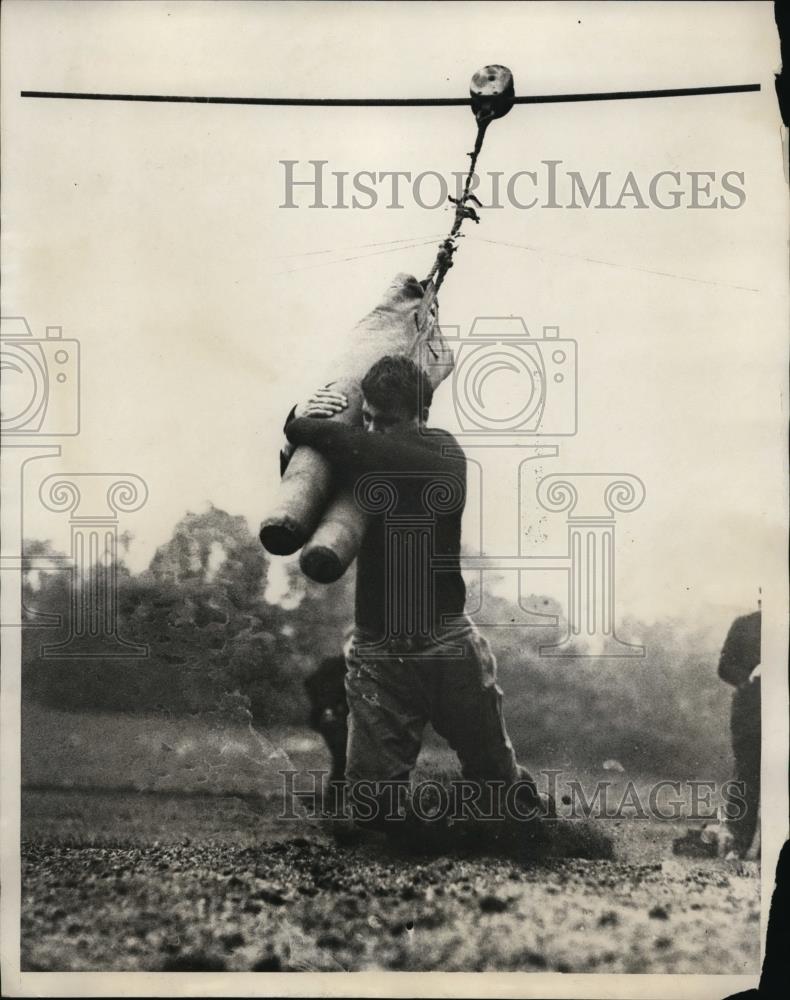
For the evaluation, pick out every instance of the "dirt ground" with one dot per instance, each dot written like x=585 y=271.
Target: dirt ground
x=133 y=870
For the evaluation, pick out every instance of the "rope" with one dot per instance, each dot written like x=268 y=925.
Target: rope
x=444 y=256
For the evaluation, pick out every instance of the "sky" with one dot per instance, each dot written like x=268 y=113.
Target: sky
x=154 y=234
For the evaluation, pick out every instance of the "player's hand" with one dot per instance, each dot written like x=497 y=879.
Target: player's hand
x=323 y=403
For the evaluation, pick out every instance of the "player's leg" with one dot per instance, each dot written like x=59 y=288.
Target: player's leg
x=467 y=712
x=387 y=716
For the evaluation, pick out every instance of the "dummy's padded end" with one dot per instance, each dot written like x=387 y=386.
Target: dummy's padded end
x=321 y=564
x=281 y=536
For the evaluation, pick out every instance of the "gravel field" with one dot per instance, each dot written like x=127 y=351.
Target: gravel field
x=172 y=877
x=229 y=891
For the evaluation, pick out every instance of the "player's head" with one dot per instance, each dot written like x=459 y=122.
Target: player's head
x=396 y=395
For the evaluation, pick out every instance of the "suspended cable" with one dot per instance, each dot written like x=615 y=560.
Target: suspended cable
x=611 y=263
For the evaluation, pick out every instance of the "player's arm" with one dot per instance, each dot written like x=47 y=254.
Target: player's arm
x=325 y=402
x=358 y=451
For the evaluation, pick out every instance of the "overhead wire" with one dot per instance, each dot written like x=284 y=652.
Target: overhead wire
x=360 y=246
x=610 y=263
x=364 y=256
